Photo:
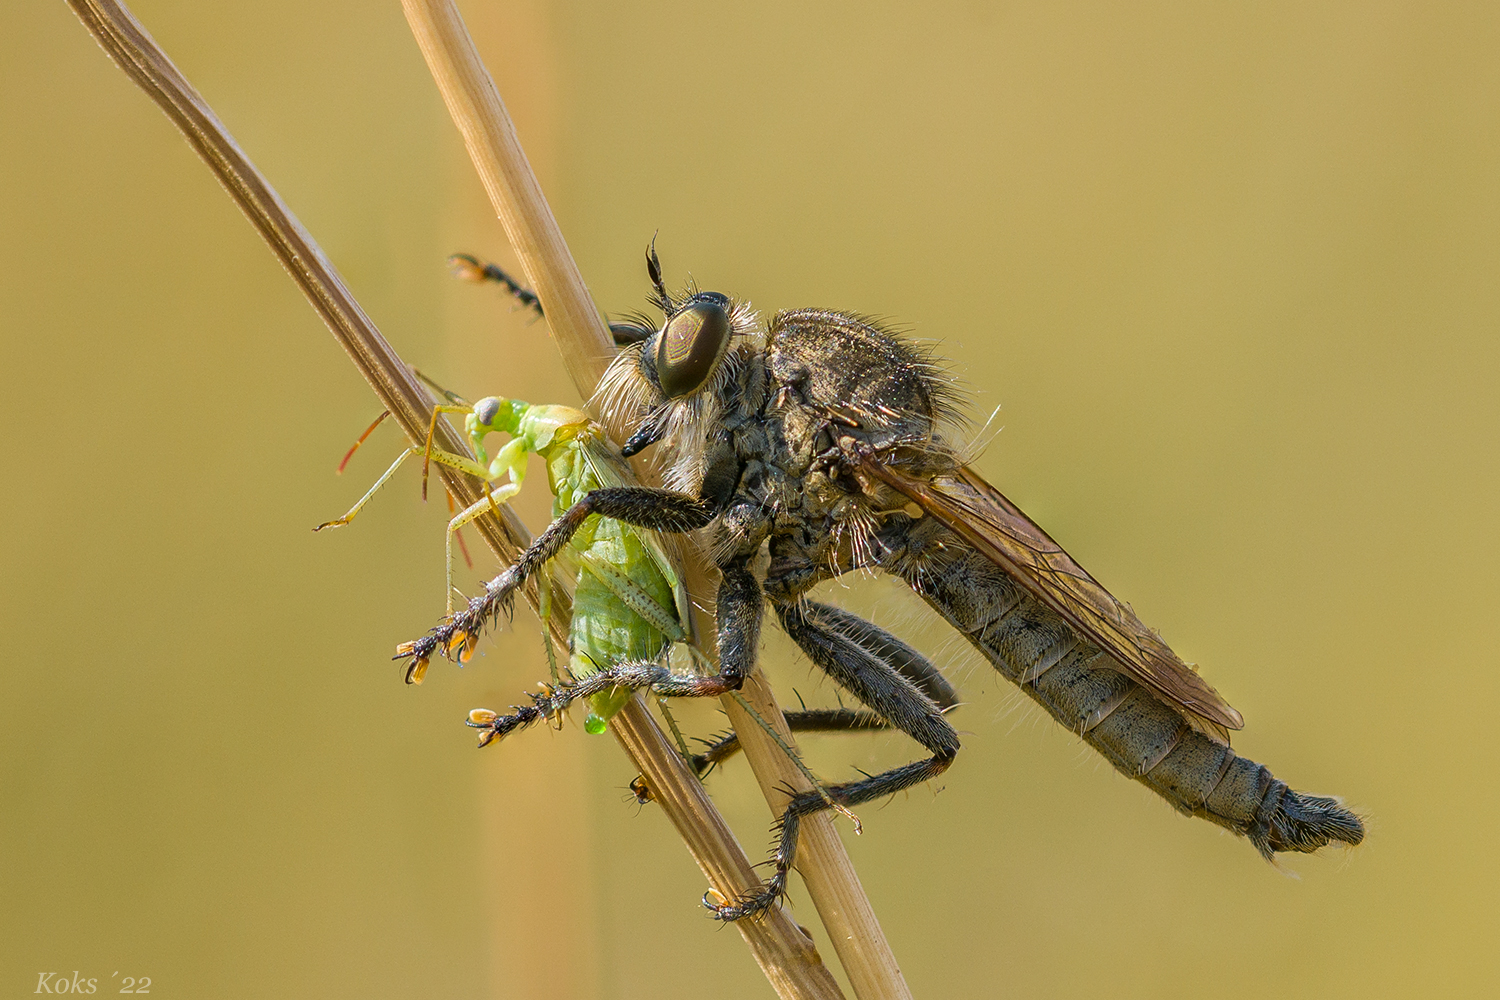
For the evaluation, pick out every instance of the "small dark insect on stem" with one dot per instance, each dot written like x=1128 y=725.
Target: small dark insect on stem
x=470 y=268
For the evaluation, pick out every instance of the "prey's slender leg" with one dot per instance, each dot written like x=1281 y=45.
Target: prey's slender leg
x=877 y=683
x=441 y=457
x=511 y=459
x=429 y=452
x=359 y=504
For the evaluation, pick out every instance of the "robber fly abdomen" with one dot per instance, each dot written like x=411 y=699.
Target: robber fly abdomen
x=1073 y=679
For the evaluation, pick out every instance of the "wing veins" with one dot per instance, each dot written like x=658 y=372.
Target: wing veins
x=981 y=515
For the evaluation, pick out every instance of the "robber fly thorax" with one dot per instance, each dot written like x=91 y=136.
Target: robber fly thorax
x=771 y=434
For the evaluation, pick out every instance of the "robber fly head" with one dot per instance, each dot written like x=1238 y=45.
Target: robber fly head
x=678 y=374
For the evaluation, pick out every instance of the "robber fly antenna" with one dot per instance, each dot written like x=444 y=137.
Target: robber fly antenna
x=653 y=270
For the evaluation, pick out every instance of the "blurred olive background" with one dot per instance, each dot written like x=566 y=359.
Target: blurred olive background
x=1229 y=274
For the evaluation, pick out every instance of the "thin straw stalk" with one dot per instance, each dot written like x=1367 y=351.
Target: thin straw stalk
x=783 y=950
x=583 y=339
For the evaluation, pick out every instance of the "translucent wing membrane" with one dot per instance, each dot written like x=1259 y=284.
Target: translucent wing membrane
x=981 y=515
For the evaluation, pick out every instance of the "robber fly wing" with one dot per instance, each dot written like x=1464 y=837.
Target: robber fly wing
x=981 y=515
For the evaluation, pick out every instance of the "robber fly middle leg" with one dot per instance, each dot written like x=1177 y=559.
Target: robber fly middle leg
x=877 y=642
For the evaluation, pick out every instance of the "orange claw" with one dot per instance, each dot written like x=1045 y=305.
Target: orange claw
x=462 y=646
x=417 y=670
x=465 y=267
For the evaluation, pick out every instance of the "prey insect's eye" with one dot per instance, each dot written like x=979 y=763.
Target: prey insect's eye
x=691 y=345
x=486 y=410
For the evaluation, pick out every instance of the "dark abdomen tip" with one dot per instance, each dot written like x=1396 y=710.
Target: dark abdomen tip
x=1303 y=823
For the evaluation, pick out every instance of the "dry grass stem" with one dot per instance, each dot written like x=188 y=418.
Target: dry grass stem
x=783 y=950
x=582 y=337
x=137 y=53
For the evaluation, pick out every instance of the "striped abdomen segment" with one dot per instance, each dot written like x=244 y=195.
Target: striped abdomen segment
x=1140 y=735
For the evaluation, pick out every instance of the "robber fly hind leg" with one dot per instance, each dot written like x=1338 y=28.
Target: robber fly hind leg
x=879 y=684
x=815 y=720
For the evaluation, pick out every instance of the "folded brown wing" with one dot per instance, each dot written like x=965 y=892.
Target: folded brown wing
x=983 y=517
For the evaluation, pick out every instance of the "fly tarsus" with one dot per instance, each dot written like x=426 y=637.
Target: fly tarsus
x=467 y=267
x=458 y=637
x=847 y=795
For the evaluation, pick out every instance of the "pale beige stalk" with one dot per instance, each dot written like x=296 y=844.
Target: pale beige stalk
x=583 y=338
x=782 y=948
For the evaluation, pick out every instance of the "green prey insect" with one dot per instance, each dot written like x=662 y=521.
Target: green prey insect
x=629 y=604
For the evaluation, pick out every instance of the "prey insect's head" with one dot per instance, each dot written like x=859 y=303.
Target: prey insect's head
x=496 y=413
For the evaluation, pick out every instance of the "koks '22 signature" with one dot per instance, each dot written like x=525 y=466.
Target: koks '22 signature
x=48 y=982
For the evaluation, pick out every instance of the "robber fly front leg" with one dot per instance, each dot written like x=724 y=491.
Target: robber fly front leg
x=660 y=510
x=739 y=604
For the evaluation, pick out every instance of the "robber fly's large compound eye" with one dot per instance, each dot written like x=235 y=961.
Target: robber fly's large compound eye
x=690 y=347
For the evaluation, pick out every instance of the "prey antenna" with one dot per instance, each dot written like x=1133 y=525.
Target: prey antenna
x=447 y=394
x=355 y=446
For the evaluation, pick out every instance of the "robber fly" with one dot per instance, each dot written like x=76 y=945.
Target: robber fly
x=816 y=442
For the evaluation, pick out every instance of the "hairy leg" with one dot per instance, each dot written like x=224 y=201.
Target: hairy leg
x=893 y=696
